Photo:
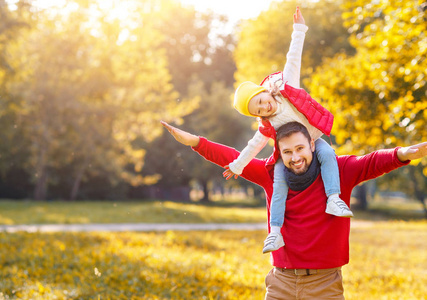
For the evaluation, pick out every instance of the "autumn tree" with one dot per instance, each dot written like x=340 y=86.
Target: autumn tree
x=92 y=87
x=202 y=67
x=15 y=19
x=378 y=95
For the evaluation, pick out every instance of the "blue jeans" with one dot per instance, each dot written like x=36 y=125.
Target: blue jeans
x=328 y=170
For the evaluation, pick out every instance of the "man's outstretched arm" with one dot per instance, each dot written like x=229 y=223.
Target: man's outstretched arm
x=361 y=168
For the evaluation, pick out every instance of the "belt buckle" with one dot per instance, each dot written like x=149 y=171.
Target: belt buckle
x=304 y=272
x=299 y=272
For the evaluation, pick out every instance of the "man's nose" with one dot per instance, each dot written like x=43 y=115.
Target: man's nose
x=295 y=157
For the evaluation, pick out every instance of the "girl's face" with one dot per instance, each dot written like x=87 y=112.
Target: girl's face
x=262 y=105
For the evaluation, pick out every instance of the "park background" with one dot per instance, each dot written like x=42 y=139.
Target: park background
x=84 y=85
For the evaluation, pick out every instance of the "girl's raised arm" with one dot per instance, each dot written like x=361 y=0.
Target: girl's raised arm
x=292 y=69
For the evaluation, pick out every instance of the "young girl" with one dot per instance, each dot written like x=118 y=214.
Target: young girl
x=276 y=101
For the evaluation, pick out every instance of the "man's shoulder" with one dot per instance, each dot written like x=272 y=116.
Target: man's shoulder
x=345 y=161
x=343 y=157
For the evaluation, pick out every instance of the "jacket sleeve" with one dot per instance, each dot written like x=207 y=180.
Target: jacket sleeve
x=255 y=145
x=356 y=169
x=222 y=155
x=291 y=71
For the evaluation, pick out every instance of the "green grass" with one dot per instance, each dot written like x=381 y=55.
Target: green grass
x=87 y=212
x=392 y=209
x=32 y=212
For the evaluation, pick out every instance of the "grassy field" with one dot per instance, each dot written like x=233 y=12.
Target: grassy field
x=31 y=212
x=86 y=212
x=388 y=259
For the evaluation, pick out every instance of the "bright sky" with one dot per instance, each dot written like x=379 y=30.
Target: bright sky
x=234 y=9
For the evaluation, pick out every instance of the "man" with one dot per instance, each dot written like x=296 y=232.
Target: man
x=317 y=244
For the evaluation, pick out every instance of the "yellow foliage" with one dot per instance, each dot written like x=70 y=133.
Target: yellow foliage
x=378 y=96
x=197 y=265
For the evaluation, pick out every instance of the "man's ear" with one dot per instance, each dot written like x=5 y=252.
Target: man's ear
x=312 y=146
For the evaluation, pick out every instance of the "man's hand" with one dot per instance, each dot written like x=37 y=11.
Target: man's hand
x=182 y=136
x=412 y=152
x=228 y=174
x=298 y=18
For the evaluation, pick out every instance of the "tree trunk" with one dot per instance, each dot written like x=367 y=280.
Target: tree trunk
x=40 y=189
x=423 y=203
x=76 y=184
x=205 y=198
x=419 y=194
x=361 y=196
x=78 y=180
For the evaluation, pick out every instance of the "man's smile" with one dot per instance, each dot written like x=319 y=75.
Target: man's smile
x=298 y=167
x=297 y=164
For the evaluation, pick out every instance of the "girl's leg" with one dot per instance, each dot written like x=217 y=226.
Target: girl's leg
x=328 y=166
x=277 y=209
x=280 y=193
x=331 y=180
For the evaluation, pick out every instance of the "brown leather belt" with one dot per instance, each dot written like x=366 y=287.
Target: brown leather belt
x=307 y=272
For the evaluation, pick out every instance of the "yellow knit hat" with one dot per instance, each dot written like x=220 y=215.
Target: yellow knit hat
x=244 y=94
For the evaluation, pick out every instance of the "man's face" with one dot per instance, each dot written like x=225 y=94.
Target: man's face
x=296 y=152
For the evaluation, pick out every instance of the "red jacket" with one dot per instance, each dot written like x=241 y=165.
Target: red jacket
x=314 y=239
x=316 y=114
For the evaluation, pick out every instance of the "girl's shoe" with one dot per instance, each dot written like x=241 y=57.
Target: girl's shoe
x=335 y=206
x=273 y=242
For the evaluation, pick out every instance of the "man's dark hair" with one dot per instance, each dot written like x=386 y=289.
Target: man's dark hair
x=290 y=128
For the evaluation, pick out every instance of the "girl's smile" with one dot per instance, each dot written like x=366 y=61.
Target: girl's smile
x=262 y=105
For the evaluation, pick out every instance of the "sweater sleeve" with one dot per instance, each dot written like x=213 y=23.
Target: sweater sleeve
x=255 y=145
x=222 y=155
x=356 y=169
x=291 y=71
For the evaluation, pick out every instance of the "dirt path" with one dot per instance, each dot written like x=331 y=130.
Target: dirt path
x=147 y=227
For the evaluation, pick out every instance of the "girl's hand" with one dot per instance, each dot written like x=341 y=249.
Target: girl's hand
x=298 y=18
x=228 y=174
